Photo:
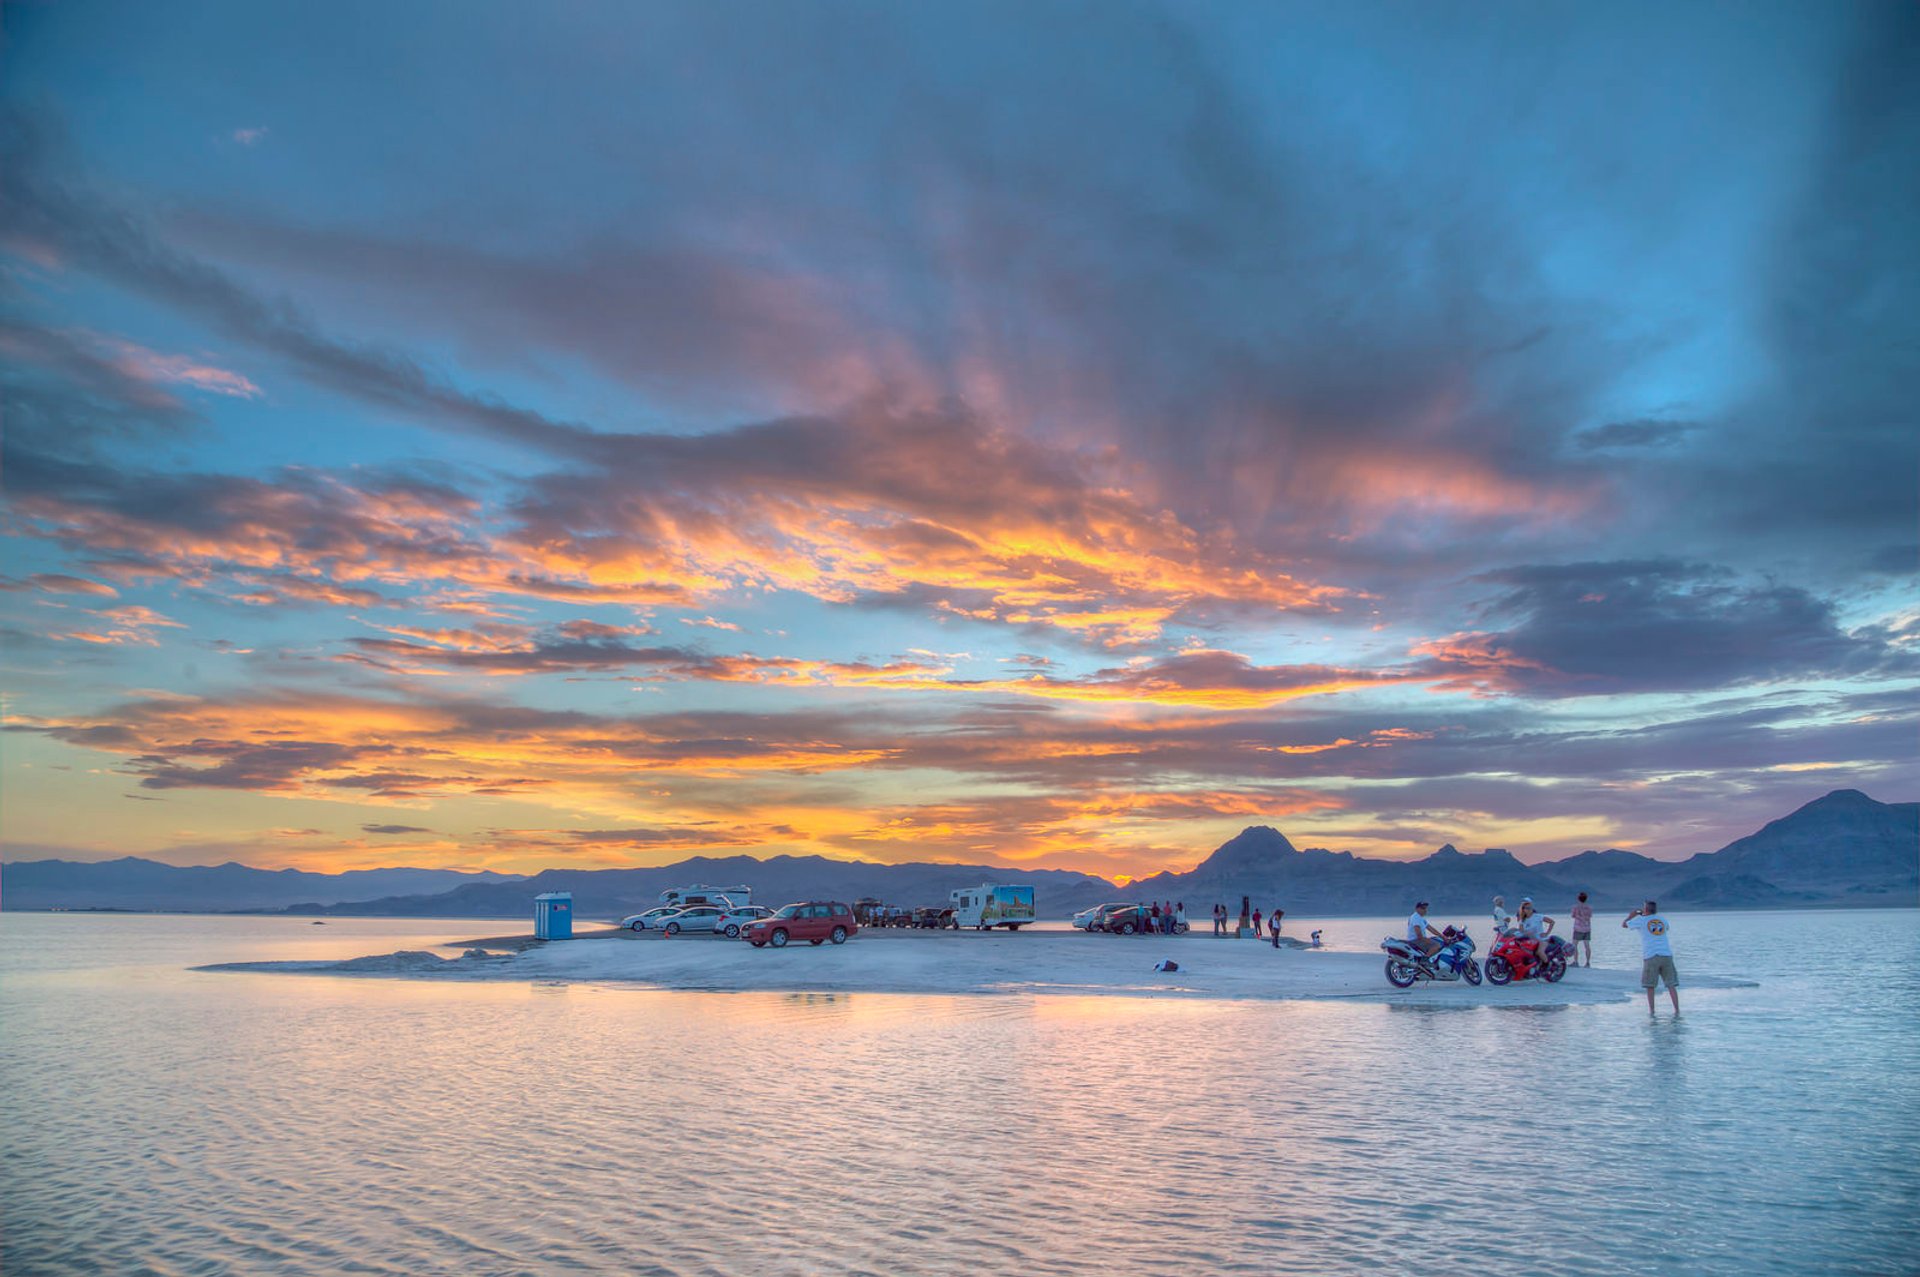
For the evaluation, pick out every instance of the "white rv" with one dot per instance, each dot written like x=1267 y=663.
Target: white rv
x=701 y=894
x=988 y=906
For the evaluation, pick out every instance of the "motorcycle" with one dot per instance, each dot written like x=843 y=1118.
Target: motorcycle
x=1514 y=959
x=1453 y=960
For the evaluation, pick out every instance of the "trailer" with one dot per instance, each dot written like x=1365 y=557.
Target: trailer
x=993 y=905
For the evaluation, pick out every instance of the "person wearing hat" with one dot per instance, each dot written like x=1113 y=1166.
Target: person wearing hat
x=1501 y=918
x=1421 y=933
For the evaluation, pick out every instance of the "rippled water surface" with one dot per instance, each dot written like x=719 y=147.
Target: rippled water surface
x=161 y=1120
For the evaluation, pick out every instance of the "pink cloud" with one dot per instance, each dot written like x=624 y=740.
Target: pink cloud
x=155 y=368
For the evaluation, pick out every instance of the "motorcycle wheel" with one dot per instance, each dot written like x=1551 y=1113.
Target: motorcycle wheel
x=1472 y=971
x=1401 y=975
x=1554 y=969
x=1498 y=972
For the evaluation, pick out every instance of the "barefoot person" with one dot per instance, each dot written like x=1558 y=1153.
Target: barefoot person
x=1582 y=930
x=1656 y=952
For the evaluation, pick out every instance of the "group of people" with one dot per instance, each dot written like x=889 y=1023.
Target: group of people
x=1533 y=928
x=1168 y=918
x=1222 y=920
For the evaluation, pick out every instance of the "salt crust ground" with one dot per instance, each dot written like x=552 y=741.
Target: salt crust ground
x=1037 y=963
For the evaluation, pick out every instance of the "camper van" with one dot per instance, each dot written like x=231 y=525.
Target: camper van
x=701 y=894
x=988 y=906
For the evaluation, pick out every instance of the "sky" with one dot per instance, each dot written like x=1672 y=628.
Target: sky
x=1045 y=435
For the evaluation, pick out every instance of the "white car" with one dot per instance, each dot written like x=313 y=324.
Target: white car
x=692 y=918
x=1085 y=919
x=732 y=924
x=648 y=917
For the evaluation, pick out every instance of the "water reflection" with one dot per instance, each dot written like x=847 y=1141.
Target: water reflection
x=248 y=1123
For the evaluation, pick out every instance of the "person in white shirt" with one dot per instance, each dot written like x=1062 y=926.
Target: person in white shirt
x=1421 y=933
x=1656 y=952
x=1501 y=918
x=1533 y=927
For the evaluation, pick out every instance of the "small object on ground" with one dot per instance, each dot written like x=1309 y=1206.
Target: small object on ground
x=1166 y=964
x=318 y=923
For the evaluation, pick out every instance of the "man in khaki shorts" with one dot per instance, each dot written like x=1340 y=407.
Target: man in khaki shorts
x=1656 y=952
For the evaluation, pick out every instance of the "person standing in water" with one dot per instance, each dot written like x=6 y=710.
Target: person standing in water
x=1583 y=930
x=1656 y=952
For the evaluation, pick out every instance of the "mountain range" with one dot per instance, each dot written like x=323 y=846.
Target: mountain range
x=1844 y=849
x=133 y=883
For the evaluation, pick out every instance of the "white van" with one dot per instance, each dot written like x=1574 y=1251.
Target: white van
x=989 y=905
x=701 y=894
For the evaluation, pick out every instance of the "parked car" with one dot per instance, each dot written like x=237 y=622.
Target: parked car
x=648 y=918
x=693 y=918
x=1128 y=919
x=732 y=924
x=1086 y=918
x=809 y=920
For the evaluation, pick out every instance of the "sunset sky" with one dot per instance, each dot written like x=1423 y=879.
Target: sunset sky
x=510 y=435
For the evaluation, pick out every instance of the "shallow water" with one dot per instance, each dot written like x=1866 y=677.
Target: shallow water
x=162 y=1120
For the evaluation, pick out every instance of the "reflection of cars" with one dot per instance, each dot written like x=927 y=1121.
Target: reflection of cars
x=692 y=918
x=732 y=924
x=810 y=920
x=648 y=917
x=1086 y=918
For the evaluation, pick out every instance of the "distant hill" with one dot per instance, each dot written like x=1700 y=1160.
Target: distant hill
x=1843 y=849
x=133 y=883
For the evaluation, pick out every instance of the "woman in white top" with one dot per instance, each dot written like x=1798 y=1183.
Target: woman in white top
x=1535 y=927
x=1502 y=920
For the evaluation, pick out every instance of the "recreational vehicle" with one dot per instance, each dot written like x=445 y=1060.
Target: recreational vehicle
x=701 y=894
x=988 y=906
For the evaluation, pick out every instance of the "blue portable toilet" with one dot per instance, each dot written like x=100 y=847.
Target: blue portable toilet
x=553 y=915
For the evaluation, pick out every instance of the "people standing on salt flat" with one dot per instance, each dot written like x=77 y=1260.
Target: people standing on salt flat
x=1256 y=924
x=1656 y=952
x=1179 y=916
x=1502 y=920
x=1219 y=920
x=1582 y=929
x=1273 y=924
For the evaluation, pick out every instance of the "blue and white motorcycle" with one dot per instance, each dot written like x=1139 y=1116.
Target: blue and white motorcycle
x=1453 y=960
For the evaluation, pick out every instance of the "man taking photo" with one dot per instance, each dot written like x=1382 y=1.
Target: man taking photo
x=1656 y=952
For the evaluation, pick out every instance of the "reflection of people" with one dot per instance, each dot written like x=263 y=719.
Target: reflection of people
x=1583 y=929
x=1656 y=952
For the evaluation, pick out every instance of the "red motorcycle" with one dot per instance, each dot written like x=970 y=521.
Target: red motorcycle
x=1514 y=958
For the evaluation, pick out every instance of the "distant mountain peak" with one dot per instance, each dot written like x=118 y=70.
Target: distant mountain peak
x=1839 y=798
x=1257 y=847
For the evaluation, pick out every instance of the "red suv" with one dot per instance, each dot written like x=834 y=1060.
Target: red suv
x=812 y=921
